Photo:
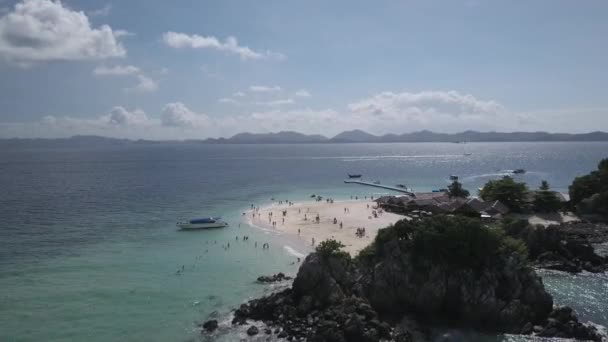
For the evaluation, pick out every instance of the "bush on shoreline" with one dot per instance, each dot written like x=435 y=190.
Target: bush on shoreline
x=506 y=190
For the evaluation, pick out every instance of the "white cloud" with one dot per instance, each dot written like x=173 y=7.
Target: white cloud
x=264 y=89
x=302 y=93
x=276 y=103
x=144 y=85
x=238 y=94
x=117 y=70
x=176 y=114
x=227 y=100
x=230 y=45
x=122 y=117
x=45 y=30
x=101 y=12
x=382 y=113
x=425 y=103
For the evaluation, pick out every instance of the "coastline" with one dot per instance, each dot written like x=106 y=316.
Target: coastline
x=299 y=221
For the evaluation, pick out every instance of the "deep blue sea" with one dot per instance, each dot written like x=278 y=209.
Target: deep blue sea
x=89 y=250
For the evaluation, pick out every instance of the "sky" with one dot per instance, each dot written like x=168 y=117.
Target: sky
x=189 y=69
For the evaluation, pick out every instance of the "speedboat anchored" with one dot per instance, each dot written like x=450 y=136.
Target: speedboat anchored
x=203 y=223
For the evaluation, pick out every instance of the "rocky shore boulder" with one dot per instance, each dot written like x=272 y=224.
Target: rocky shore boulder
x=275 y=278
x=323 y=280
x=498 y=291
x=563 y=247
x=210 y=325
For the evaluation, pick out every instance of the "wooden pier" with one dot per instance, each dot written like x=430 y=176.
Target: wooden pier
x=392 y=188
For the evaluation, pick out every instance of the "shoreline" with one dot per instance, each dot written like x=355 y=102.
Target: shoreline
x=298 y=220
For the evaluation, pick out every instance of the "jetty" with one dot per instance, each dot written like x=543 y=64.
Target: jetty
x=392 y=188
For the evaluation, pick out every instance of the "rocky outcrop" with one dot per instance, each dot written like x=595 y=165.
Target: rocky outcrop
x=350 y=319
x=502 y=299
x=275 y=278
x=336 y=298
x=562 y=322
x=323 y=281
x=210 y=325
x=565 y=247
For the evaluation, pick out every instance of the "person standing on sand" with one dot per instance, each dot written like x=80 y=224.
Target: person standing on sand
x=298 y=231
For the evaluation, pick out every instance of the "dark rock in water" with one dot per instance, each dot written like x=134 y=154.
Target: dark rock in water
x=253 y=330
x=562 y=322
x=210 y=325
x=566 y=247
x=275 y=278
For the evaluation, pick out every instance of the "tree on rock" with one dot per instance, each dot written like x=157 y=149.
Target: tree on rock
x=455 y=190
x=589 y=193
x=545 y=200
x=507 y=191
x=331 y=247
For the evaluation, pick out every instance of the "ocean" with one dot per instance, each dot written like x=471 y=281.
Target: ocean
x=89 y=249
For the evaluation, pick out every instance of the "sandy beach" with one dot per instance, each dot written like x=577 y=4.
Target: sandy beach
x=300 y=220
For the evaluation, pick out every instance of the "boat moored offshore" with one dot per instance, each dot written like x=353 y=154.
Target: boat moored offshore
x=203 y=223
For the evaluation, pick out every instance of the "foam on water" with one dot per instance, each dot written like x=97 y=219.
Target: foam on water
x=293 y=252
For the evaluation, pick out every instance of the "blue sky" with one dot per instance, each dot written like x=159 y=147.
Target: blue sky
x=196 y=69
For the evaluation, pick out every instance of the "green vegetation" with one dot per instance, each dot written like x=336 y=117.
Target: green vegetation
x=456 y=242
x=455 y=190
x=546 y=201
x=331 y=247
x=589 y=193
x=506 y=190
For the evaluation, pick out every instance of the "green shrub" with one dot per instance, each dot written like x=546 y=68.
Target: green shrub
x=546 y=201
x=586 y=186
x=331 y=247
x=455 y=190
x=506 y=190
x=456 y=242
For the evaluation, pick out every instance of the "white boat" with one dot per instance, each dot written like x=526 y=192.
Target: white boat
x=203 y=223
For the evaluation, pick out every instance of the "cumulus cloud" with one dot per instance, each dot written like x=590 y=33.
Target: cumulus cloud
x=122 y=117
x=144 y=85
x=176 y=114
x=425 y=103
x=230 y=45
x=388 y=112
x=117 y=70
x=45 y=30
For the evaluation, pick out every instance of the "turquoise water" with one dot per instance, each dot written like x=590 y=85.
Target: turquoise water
x=89 y=249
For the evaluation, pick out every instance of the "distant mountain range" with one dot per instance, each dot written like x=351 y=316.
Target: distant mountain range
x=290 y=137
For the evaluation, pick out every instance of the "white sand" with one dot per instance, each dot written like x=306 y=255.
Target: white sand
x=550 y=219
x=358 y=216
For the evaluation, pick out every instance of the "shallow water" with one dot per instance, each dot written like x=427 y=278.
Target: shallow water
x=89 y=250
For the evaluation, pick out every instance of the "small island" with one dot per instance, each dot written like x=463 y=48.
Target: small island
x=443 y=260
